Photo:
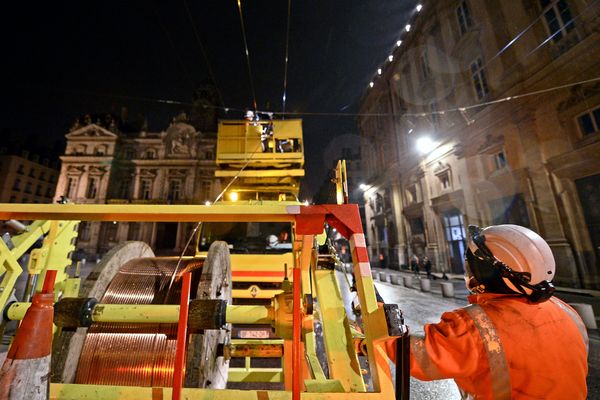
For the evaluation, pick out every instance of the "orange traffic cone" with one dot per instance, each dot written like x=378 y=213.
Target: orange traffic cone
x=26 y=371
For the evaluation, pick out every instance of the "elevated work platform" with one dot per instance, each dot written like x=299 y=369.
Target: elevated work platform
x=263 y=156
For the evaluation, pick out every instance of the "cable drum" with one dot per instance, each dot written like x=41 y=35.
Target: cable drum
x=136 y=354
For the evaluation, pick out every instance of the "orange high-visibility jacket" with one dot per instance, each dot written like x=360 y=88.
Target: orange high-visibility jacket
x=503 y=347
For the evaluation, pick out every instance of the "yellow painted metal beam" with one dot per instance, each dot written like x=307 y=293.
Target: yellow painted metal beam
x=149 y=212
x=249 y=314
x=156 y=313
x=60 y=391
x=261 y=173
x=272 y=375
x=341 y=355
x=250 y=294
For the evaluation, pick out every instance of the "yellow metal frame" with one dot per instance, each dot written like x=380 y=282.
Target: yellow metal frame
x=58 y=243
x=325 y=288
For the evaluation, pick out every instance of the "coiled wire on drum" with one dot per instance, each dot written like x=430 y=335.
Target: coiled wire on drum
x=136 y=354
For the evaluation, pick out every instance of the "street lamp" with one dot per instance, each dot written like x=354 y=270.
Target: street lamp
x=425 y=145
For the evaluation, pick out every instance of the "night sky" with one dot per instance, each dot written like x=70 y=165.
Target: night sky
x=62 y=60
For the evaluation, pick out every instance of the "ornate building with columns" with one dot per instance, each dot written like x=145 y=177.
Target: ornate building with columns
x=487 y=113
x=104 y=165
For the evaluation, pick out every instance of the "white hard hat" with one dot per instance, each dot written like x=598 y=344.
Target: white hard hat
x=272 y=240
x=517 y=255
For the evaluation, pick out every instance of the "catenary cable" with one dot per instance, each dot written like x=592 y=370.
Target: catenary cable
x=243 y=27
x=285 y=69
x=203 y=51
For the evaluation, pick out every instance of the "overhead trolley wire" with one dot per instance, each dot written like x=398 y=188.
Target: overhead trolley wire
x=239 y=3
x=177 y=55
x=203 y=51
x=449 y=110
x=287 y=46
x=560 y=30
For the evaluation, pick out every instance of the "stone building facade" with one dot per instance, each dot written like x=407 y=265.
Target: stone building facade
x=25 y=178
x=103 y=165
x=489 y=112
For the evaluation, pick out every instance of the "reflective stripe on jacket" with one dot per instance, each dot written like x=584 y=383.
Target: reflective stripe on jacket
x=503 y=347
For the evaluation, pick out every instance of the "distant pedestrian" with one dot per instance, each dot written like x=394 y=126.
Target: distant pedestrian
x=382 y=261
x=414 y=264
x=427 y=266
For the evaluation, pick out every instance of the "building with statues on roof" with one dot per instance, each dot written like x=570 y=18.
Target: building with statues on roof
x=109 y=162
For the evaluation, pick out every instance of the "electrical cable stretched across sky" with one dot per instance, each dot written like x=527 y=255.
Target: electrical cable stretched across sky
x=254 y=104
x=287 y=46
x=203 y=51
x=338 y=114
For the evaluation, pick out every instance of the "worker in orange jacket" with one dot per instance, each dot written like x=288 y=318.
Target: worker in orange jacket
x=514 y=340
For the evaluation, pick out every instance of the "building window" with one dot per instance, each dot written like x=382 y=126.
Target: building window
x=49 y=192
x=17 y=184
x=500 y=160
x=424 y=65
x=150 y=154
x=208 y=155
x=20 y=169
x=206 y=190
x=557 y=17
x=464 y=18
x=435 y=116
x=589 y=123
x=111 y=232
x=27 y=187
x=25 y=200
x=145 y=189
x=99 y=151
x=130 y=154
x=92 y=188
x=416 y=226
x=479 y=80
x=70 y=190
x=124 y=187
x=13 y=199
x=456 y=238
x=411 y=194
x=38 y=190
x=51 y=179
x=32 y=173
x=174 y=189
x=444 y=180
x=84 y=231
x=134 y=231
x=510 y=210
x=42 y=175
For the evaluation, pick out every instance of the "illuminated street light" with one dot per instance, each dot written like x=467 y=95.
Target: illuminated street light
x=363 y=187
x=378 y=71
x=207 y=203
x=391 y=58
x=371 y=84
x=419 y=7
x=398 y=43
x=425 y=145
x=233 y=196
x=407 y=28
